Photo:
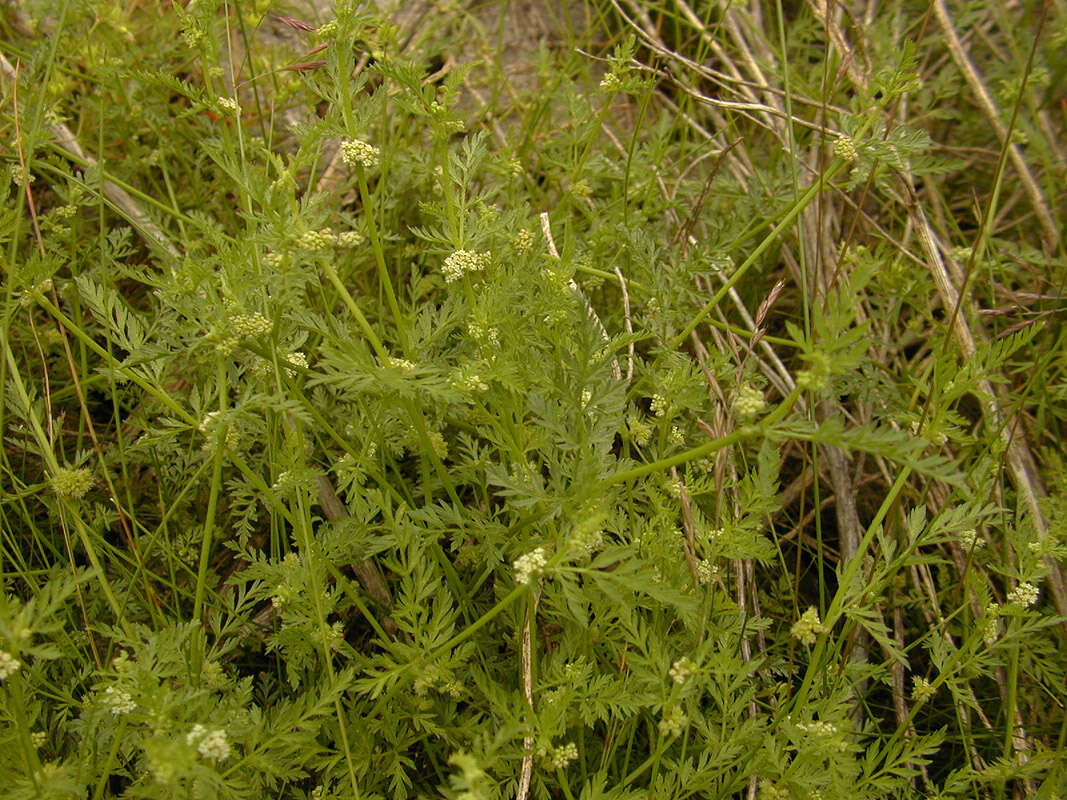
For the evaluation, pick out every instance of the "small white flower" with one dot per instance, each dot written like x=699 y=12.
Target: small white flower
x=296 y=359
x=210 y=744
x=563 y=755
x=682 y=670
x=991 y=626
x=195 y=733
x=1025 y=595
x=401 y=364
x=523 y=241
x=119 y=701
x=659 y=405
x=706 y=572
x=970 y=540
x=484 y=334
x=587 y=541
x=529 y=565
x=228 y=104
x=250 y=325
x=463 y=261
x=28 y=298
x=333 y=636
x=818 y=728
x=9 y=665
x=349 y=239
x=281 y=597
x=467 y=381
x=314 y=241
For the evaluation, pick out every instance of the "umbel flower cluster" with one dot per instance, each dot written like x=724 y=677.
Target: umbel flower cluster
x=529 y=565
x=845 y=148
x=749 y=402
x=808 y=627
x=559 y=756
x=72 y=483
x=461 y=262
x=357 y=152
x=1025 y=595
x=9 y=665
x=250 y=326
x=118 y=701
x=210 y=744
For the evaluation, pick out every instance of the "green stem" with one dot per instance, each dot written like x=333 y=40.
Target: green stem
x=1009 y=706
x=196 y=660
x=844 y=587
x=747 y=432
x=768 y=240
x=478 y=624
x=368 y=331
x=105 y=773
x=379 y=258
x=45 y=449
x=172 y=405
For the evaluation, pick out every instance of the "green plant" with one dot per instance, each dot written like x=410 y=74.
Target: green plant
x=379 y=425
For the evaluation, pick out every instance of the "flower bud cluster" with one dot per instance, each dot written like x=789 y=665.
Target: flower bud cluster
x=72 y=483
x=673 y=722
x=523 y=242
x=210 y=744
x=559 y=756
x=316 y=241
x=118 y=701
x=749 y=402
x=682 y=670
x=921 y=690
x=808 y=627
x=250 y=325
x=356 y=151
x=845 y=148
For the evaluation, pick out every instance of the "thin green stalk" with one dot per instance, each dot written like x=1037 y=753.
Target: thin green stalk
x=106 y=773
x=776 y=232
x=17 y=698
x=368 y=331
x=111 y=361
x=816 y=662
x=209 y=527
x=45 y=451
x=664 y=464
x=1011 y=701
x=386 y=281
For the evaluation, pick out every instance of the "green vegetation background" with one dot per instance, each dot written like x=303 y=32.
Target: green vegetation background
x=585 y=400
